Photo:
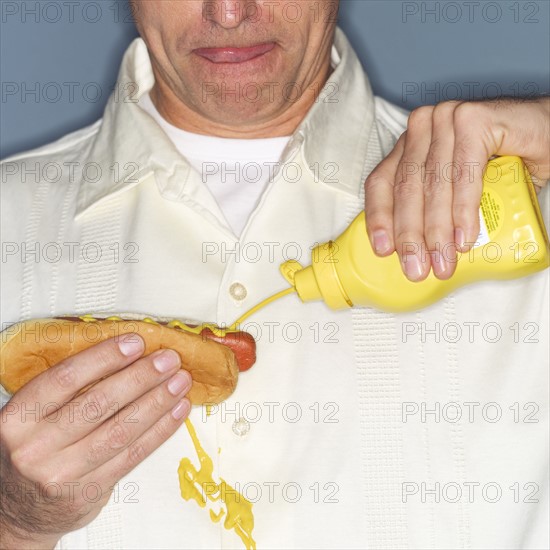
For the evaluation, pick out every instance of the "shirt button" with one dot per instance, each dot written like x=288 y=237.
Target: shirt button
x=237 y=291
x=241 y=427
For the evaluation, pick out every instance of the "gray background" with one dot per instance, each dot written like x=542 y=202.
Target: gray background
x=59 y=61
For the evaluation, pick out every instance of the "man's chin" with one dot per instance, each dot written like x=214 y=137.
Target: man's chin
x=239 y=115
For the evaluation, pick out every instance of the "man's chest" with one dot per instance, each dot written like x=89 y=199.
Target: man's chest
x=327 y=429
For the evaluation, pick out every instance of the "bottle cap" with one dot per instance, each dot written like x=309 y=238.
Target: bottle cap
x=320 y=280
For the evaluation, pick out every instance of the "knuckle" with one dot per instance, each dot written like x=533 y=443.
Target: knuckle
x=157 y=403
x=64 y=375
x=433 y=187
x=409 y=172
x=443 y=112
x=406 y=189
x=96 y=452
x=40 y=472
x=420 y=117
x=28 y=457
x=94 y=406
x=466 y=113
x=22 y=460
x=50 y=478
x=118 y=435
x=136 y=453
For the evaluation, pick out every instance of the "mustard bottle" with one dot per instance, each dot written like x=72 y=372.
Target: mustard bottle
x=512 y=243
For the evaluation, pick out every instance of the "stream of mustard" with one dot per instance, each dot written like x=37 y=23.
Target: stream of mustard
x=199 y=484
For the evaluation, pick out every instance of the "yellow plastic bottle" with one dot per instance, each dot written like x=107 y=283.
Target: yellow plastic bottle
x=512 y=243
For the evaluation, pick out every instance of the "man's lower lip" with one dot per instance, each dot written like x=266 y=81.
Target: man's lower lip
x=234 y=55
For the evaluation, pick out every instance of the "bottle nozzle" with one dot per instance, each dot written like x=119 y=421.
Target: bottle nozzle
x=289 y=269
x=319 y=281
x=302 y=279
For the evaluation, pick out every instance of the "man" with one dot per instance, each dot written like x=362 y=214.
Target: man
x=322 y=434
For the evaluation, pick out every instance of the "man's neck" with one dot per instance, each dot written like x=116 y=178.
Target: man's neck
x=177 y=113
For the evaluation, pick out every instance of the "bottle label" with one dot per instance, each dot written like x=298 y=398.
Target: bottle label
x=483 y=237
x=491 y=213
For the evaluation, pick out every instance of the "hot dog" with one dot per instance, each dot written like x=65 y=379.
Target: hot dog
x=213 y=356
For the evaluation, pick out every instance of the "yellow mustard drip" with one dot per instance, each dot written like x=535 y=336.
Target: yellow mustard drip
x=87 y=318
x=216 y=517
x=261 y=305
x=198 y=329
x=172 y=324
x=199 y=485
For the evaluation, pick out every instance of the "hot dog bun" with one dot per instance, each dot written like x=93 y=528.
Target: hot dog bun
x=30 y=347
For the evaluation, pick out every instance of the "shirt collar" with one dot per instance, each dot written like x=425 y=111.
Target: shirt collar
x=130 y=146
x=336 y=130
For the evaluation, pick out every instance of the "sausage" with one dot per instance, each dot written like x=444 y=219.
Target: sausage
x=242 y=344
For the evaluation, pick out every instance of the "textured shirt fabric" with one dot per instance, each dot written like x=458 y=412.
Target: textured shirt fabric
x=355 y=428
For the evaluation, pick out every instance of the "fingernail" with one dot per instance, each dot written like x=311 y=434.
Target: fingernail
x=131 y=344
x=439 y=263
x=179 y=382
x=412 y=267
x=381 y=241
x=459 y=237
x=166 y=360
x=181 y=409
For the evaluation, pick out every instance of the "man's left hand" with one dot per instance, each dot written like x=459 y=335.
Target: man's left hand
x=426 y=193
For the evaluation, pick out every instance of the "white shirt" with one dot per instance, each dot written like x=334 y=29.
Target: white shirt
x=356 y=469
x=236 y=171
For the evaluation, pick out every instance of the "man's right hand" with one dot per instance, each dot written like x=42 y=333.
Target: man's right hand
x=80 y=442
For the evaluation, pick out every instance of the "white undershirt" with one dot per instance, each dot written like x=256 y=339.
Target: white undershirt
x=236 y=171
